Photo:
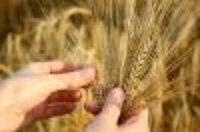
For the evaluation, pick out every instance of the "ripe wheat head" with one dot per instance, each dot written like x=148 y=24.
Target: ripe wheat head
x=150 y=48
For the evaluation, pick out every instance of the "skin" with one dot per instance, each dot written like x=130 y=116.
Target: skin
x=107 y=120
x=47 y=89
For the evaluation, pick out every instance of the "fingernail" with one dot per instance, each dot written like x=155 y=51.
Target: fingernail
x=89 y=72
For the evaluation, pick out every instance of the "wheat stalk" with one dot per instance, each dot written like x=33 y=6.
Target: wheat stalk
x=151 y=48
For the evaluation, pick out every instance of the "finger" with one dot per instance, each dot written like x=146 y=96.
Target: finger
x=93 y=108
x=137 y=123
x=112 y=108
x=71 y=80
x=40 y=68
x=58 y=109
x=41 y=87
x=65 y=96
x=50 y=110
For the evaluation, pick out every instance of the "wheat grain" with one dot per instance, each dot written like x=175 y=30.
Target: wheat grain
x=149 y=47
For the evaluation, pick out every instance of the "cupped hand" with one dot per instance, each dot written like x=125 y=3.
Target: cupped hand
x=41 y=90
x=107 y=119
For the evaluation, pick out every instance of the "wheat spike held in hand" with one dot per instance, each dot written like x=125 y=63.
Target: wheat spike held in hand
x=150 y=48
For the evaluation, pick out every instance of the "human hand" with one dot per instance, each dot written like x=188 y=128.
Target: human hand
x=39 y=91
x=107 y=120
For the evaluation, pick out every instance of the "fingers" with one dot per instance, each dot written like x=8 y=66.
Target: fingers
x=40 y=68
x=137 y=123
x=45 y=85
x=112 y=108
x=46 y=110
x=41 y=87
x=65 y=95
x=57 y=109
x=71 y=80
x=58 y=103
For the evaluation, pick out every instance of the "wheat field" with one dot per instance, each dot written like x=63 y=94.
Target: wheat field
x=151 y=48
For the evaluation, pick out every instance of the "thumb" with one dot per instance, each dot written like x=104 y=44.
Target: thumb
x=112 y=108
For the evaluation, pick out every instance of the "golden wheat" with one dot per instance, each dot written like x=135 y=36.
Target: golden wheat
x=151 y=48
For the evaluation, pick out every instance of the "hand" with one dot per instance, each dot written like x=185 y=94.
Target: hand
x=39 y=91
x=107 y=120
